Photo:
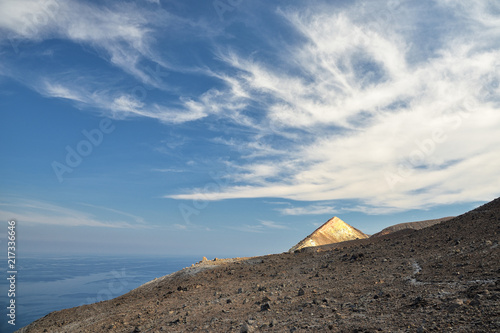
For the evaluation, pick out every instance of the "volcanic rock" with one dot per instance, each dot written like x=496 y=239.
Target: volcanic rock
x=410 y=225
x=332 y=231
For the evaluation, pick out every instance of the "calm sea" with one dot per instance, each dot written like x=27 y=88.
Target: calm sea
x=48 y=284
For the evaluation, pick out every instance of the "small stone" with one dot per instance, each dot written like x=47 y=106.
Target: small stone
x=301 y=292
x=265 y=307
x=419 y=301
x=240 y=290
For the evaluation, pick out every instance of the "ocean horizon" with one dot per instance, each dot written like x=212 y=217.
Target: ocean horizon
x=51 y=283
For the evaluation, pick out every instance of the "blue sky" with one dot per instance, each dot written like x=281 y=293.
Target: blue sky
x=237 y=127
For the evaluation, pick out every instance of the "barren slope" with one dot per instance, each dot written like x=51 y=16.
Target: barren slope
x=410 y=225
x=441 y=278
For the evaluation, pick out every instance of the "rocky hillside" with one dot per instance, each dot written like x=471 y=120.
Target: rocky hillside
x=332 y=231
x=410 y=225
x=442 y=278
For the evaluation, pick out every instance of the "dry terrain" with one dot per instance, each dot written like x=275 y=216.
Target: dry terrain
x=410 y=225
x=444 y=278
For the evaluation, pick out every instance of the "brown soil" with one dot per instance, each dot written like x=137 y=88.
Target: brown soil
x=441 y=278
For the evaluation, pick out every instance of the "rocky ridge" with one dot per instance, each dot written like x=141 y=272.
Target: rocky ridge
x=410 y=225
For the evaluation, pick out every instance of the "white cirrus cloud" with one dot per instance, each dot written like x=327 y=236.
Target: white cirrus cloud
x=261 y=227
x=40 y=212
x=363 y=103
x=120 y=32
x=315 y=209
x=361 y=117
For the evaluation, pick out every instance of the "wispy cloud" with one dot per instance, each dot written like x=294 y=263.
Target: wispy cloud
x=169 y=170
x=120 y=32
x=137 y=219
x=125 y=36
x=361 y=104
x=189 y=227
x=59 y=91
x=120 y=105
x=261 y=227
x=355 y=106
x=316 y=209
x=272 y=225
x=39 y=212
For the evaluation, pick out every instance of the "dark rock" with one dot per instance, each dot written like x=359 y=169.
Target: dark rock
x=475 y=302
x=175 y=322
x=419 y=301
x=265 y=307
